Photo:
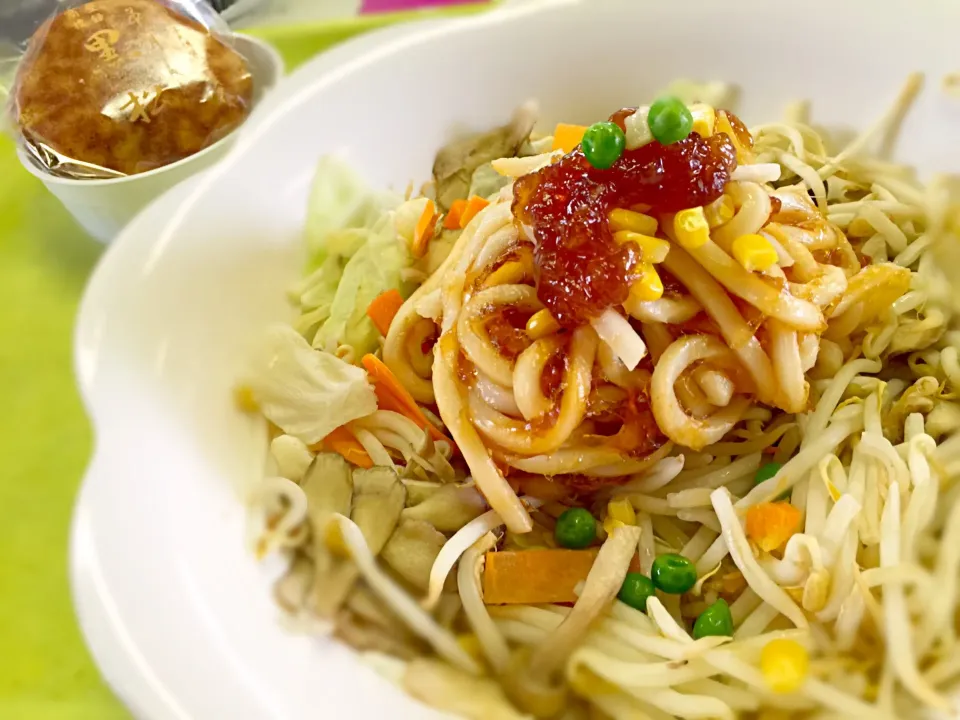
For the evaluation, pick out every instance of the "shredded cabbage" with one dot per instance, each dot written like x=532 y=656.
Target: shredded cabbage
x=357 y=247
x=375 y=268
x=307 y=393
x=340 y=209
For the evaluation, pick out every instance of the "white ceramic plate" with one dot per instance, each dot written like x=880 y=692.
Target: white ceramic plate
x=178 y=614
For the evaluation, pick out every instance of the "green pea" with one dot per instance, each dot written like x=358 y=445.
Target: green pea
x=766 y=472
x=576 y=528
x=670 y=120
x=673 y=574
x=715 y=620
x=635 y=590
x=603 y=144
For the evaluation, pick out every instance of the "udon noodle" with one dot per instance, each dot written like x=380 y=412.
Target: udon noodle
x=786 y=426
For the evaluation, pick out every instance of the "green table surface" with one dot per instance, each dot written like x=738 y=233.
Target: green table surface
x=46 y=672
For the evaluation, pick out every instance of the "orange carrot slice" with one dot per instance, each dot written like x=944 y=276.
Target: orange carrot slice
x=424 y=230
x=384 y=309
x=474 y=205
x=452 y=219
x=771 y=524
x=526 y=577
x=391 y=395
x=567 y=137
x=343 y=442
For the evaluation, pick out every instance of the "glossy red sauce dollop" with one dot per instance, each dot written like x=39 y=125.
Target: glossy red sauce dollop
x=581 y=270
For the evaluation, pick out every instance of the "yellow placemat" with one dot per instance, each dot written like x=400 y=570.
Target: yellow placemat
x=45 y=670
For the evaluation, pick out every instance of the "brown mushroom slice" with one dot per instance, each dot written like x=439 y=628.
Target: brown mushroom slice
x=450 y=508
x=419 y=491
x=328 y=485
x=378 y=499
x=290 y=591
x=456 y=162
x=486 y=181
x=364 y=603
x=362 y=635
x=411 y=551
x=367 y=606
x=377 y=505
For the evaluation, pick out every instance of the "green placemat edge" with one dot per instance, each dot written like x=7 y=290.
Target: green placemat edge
x=298 y=43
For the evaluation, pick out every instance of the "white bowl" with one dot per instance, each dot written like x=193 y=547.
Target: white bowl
x=177 y=613
x=104 y=207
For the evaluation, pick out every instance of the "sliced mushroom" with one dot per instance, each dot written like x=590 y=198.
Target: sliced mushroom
x=419 y=491
x=486 y=181
x=450 y=508
x=291 y=590
x=367 y=606
x=328 y=485
x=378 y=499
x=411 y=551
x=361 y=635
x=456 y=162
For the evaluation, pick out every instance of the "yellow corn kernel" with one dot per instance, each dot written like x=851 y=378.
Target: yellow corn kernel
x=637 y=222
x=333 y=537
x=720 y=211
x=691 y=228
x=704 y=119
x=654 y=249
x=754 y=252
x=243 y=397
x=611 y=524
x=784 y=664
x=649 y=286
x=469 y=643
x=510 y=273
x=860 y=228
x=622 y=510
x=541 y=324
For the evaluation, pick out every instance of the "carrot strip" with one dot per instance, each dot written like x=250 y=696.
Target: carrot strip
x=424 y=230
x=384 y=309
x=391 y=395
x=452 y=219
x=769 y=525
x=474 y=205
x=528 y=577
x=567 y=137
x=343 y=442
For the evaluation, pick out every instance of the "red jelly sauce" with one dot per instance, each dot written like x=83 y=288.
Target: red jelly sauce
x=506 y=327
x=581 y=270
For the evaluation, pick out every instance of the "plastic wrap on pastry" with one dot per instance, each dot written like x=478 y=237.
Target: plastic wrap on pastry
x=118 y=87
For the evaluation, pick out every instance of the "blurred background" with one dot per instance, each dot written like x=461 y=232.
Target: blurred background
x=18 y=18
